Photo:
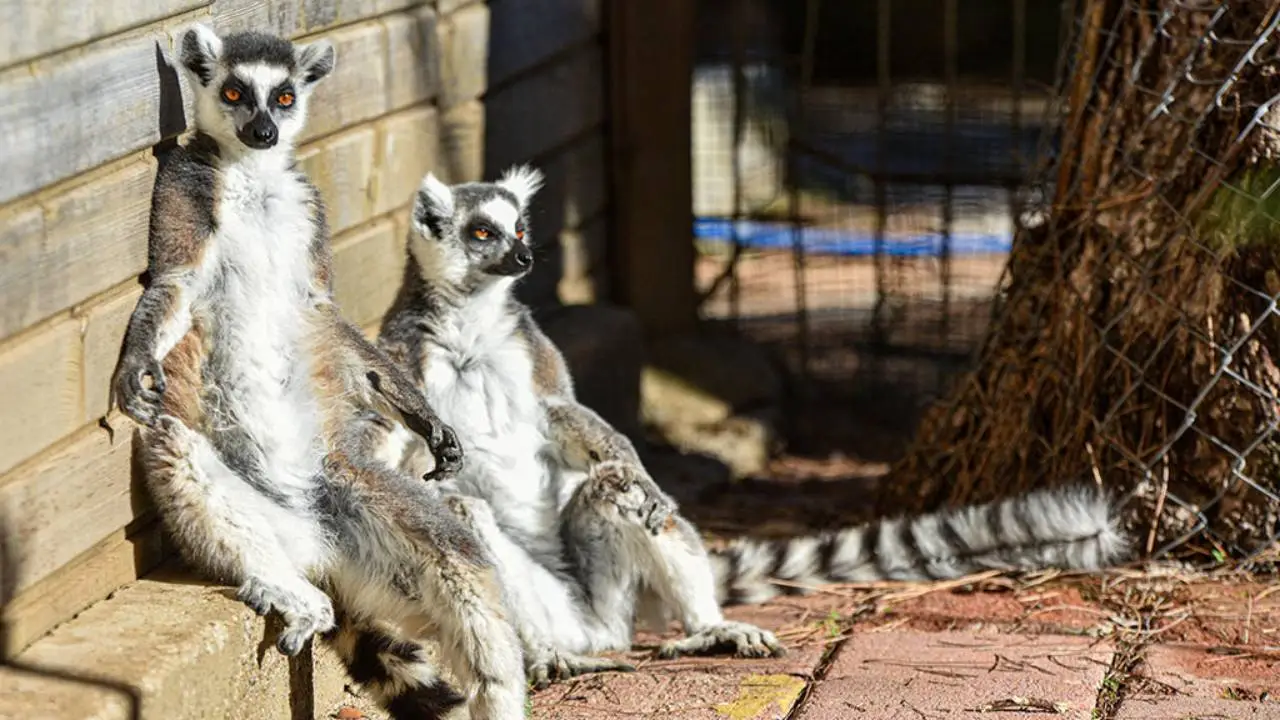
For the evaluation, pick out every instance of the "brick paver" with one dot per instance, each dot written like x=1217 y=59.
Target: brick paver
x=1190 y=681
x=915 y=675
x=1025 y=652
x=698 y=688
x=1147 y=708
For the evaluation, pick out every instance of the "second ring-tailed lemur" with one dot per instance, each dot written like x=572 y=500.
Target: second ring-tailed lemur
x=264 y=415
x=584 y=540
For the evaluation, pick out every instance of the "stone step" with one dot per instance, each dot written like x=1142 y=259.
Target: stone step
x=189 y=649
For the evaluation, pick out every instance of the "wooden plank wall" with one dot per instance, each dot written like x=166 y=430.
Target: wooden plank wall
x=651 y=51
x=461 y=88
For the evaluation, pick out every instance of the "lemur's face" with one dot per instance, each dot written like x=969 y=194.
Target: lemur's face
x=475 y=233
x=250 y=87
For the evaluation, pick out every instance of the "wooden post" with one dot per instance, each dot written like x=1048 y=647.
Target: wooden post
x=650 y=48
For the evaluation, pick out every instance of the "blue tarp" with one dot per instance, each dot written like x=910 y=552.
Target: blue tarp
x=826 y=241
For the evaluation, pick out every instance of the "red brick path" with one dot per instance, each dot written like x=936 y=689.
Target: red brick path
x=1128 y=647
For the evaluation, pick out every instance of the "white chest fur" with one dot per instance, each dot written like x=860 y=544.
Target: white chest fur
x=479 y=378
x=256 y=282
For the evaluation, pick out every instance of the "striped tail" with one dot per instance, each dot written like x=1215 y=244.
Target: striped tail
x=1071 y=529
x=396 y=672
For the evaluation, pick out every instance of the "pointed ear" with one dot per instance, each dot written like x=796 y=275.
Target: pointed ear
x=316 y=61
x=523 y=181
x=200 y=50
x=433 y=204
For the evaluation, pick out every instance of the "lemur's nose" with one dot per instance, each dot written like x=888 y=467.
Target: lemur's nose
x=264 y=134
x=524 y=258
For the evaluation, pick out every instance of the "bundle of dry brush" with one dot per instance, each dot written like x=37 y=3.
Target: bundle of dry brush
x=1137 y=340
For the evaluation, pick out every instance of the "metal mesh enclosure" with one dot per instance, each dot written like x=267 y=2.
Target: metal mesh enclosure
x=858 y=166
x=1134 y=343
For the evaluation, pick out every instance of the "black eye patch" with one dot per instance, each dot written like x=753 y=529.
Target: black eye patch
x=482 y=232
x=284 y=96
x=236 y=92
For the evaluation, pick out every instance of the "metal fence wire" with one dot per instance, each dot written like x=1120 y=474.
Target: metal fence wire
x=857 y=168
x=1135 y=342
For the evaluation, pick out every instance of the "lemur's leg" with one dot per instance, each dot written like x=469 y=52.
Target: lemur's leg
x=626 y=533
x=401 y=537
x=544 y=606
x=394 y=669
x=229 y=529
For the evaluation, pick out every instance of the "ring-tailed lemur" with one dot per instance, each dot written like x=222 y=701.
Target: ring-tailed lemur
x=579 y=532
x=585 y=541
x=265 y=417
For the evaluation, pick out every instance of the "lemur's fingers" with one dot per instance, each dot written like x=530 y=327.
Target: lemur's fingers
x=448 y=451
x=304 y=609
x=739 y=638
x=656 y=514
x=155 y=370
x=558 y=666
x=581 y=665
x=656 y=508
x=140 y=412
x=133 y=396
x=540 y=676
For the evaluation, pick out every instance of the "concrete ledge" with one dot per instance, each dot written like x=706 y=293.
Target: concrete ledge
x=189 y=650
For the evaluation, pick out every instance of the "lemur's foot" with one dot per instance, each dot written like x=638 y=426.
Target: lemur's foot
x=306 y=611
x=742 y=639
x=549 y=666
x=633 y=493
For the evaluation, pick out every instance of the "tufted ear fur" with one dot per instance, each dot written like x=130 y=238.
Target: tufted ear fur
x=200 y=50
x=433 y=204
x=523 y=181
x=316 y=61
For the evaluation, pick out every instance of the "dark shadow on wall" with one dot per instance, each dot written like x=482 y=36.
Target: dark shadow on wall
x=545 y=97
x=171 y=120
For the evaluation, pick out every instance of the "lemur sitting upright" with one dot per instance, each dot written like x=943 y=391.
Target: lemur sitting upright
x=585 y=541
x=578 y=530
x=264 y=415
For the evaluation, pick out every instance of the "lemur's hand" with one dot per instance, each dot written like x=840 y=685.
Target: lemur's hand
x=134 y=396
x=632 y=492
x=444 y=447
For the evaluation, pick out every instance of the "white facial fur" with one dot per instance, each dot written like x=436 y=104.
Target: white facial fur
x=474 y=233
x=220 y=120
x=501 y=213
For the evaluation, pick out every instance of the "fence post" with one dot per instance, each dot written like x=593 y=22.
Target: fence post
x=650 y=48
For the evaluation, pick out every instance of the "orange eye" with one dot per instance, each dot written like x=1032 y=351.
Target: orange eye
x=285 y=99
x=519 y=234
x=480 y=234
x=231 y=94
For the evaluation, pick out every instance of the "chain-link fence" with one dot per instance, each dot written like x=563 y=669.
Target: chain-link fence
x=1136 y=340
